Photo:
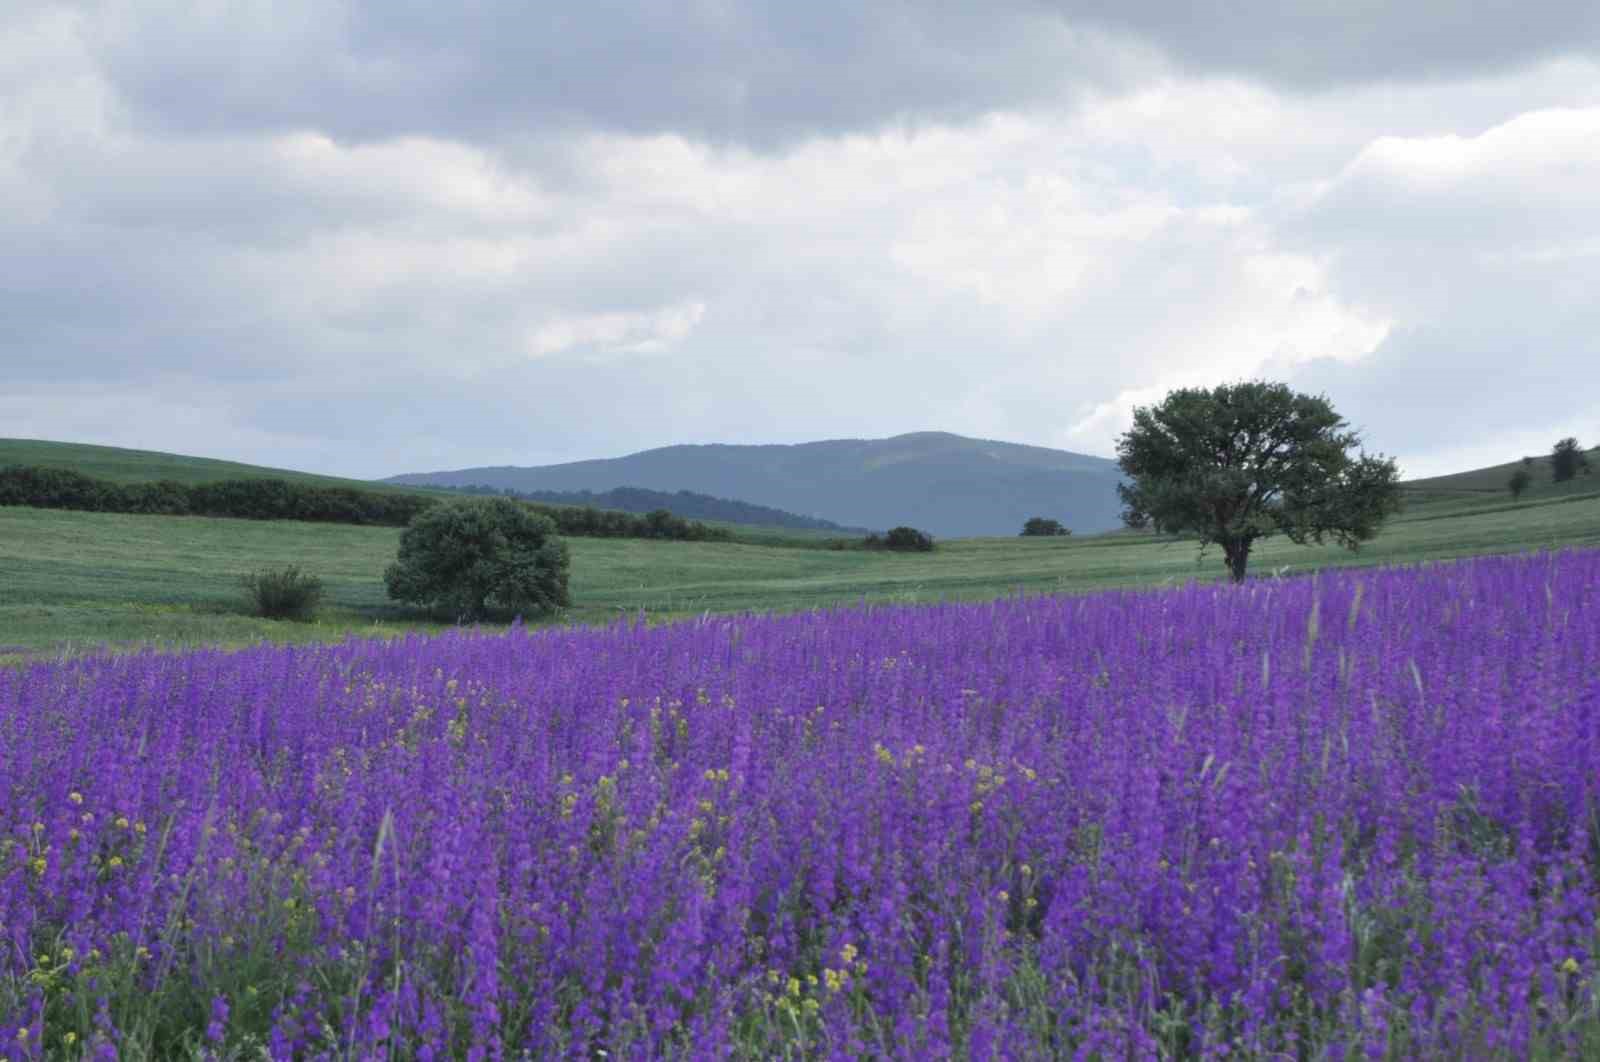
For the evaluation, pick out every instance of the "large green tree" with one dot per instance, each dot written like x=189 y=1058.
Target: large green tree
x=1244 y=461
x=470 y=557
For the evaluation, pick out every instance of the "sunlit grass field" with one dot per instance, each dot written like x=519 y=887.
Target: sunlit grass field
x=71 y=580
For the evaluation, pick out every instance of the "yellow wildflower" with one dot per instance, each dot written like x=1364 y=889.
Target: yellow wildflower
x=75 y=796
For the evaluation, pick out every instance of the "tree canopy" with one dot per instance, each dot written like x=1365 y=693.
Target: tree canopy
x=470 y=556
x=1043 y=525
x=1240 y=462
x=1567 y=459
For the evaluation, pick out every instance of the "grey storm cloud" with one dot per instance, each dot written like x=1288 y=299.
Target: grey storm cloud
x=377 y=237
x=760 y=72
x=1320 y=44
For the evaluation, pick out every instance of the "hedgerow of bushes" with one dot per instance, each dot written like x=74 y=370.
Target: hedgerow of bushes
x=278 y=499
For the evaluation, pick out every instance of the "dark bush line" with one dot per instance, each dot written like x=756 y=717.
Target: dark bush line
x=604 y=523
x=251 y=499
x=277 y=499
x=685 y=503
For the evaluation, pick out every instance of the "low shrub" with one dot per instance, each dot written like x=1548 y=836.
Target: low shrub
x=901 y=539
x=1043 y=526
x=284 y=593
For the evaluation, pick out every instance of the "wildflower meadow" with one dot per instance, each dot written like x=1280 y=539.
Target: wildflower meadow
x=1355 y=815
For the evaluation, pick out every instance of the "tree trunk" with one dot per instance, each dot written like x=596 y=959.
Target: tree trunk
x=1237 y=553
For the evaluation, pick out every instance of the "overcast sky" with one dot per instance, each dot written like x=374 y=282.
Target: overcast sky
x=365 y=238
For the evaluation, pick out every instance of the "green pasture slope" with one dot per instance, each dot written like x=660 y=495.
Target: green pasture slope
x=1487 y=486
x=143 y=466
x=71 y=580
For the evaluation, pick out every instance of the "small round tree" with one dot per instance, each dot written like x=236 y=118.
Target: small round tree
x=471 y=557
x=1567 y=459
x=1520 y=480
x=1040 y=525
x=908 y=539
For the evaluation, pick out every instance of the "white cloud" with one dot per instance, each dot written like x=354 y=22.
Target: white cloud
x=1482 y=245
x=628 y=333
x=1026 y=261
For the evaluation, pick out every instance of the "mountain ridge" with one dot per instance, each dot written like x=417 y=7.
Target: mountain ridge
x=951 y=485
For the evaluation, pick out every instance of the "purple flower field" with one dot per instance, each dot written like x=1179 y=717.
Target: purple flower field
x=1350 y=816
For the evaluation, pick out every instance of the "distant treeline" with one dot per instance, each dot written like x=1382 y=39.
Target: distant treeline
x=278 y=499
x=685 y=503
x=252 y=499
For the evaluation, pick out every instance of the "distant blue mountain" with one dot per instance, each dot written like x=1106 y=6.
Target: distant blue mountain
x=950 y=485
x=684 y=503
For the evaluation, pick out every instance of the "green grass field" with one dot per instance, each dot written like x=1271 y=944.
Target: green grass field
x=71 y=580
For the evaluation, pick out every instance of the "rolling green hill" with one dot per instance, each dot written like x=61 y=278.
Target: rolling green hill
x=1481 y=486
x=79 y=580
x=141 y=466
